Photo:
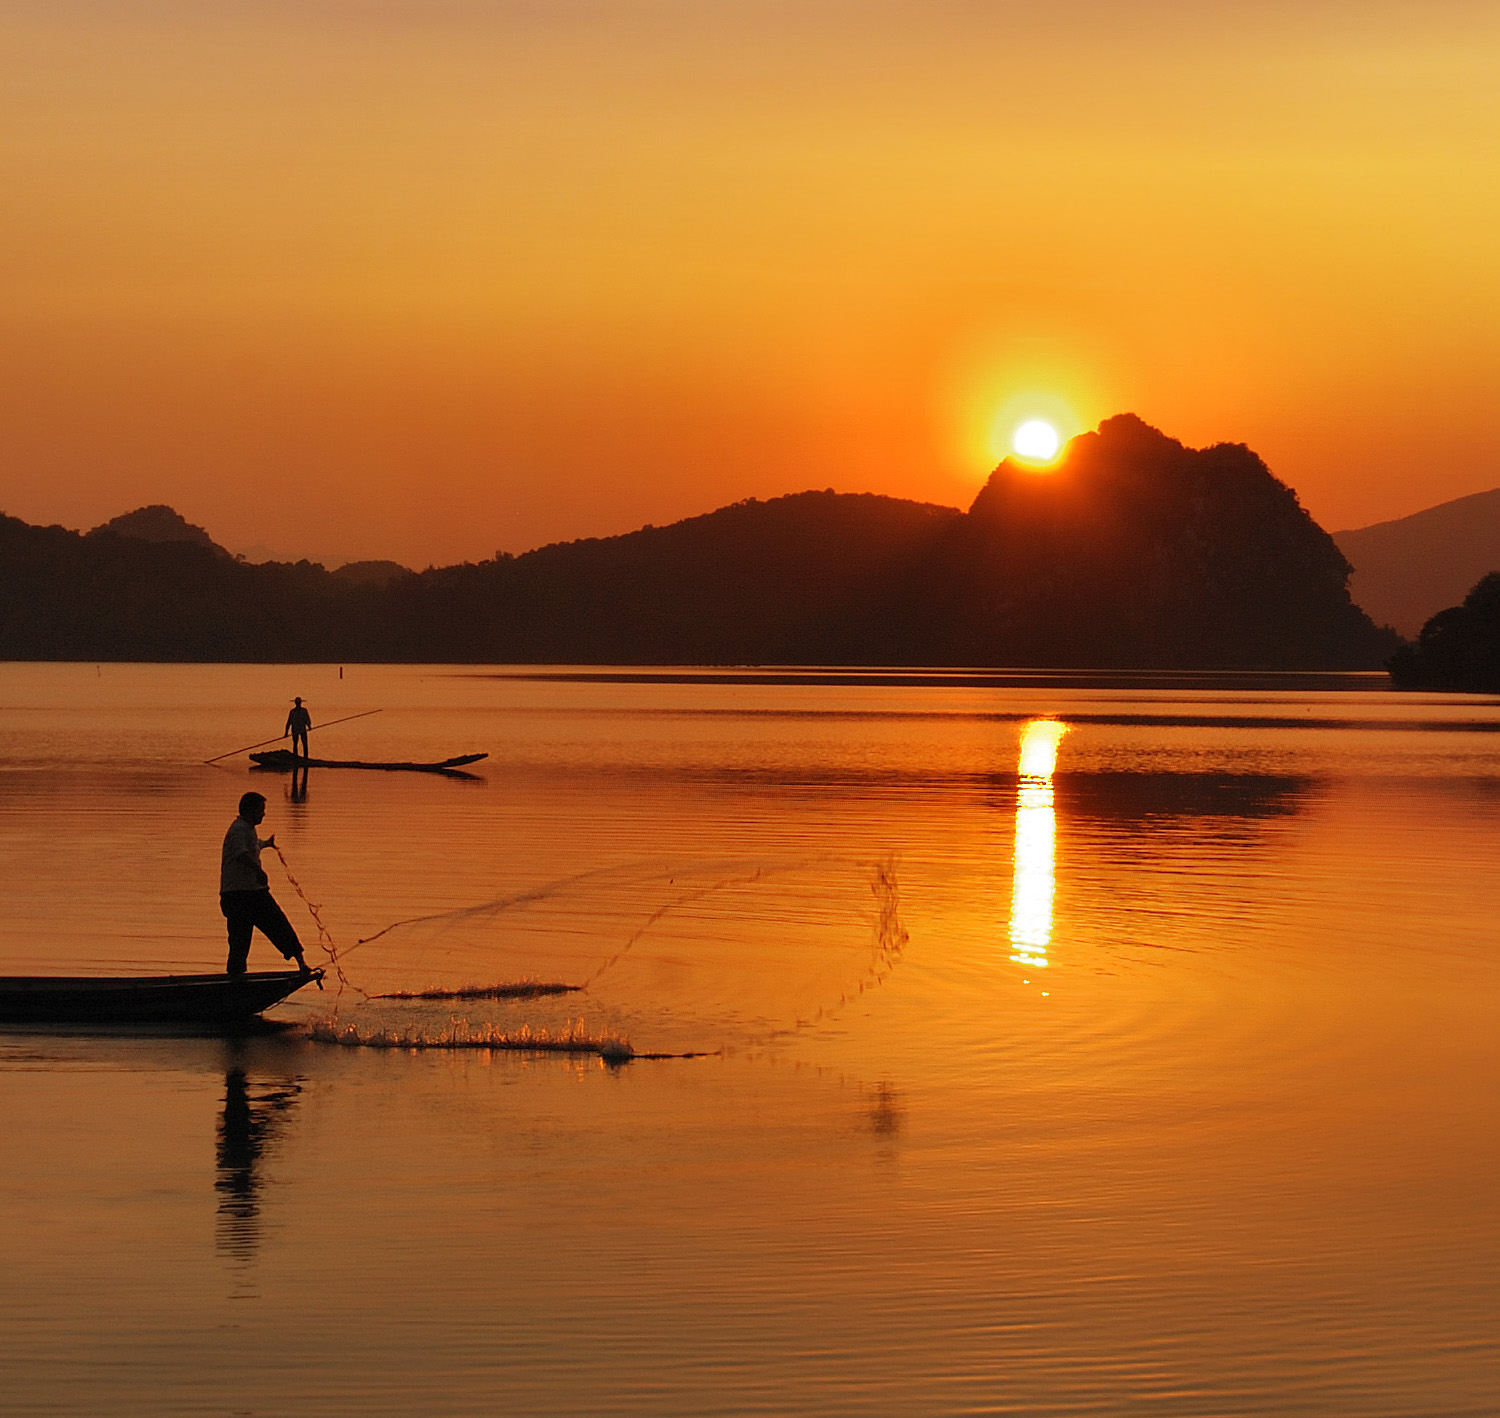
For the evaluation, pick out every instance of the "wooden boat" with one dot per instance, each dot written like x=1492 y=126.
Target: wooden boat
x=282 y=761
x=145 y=999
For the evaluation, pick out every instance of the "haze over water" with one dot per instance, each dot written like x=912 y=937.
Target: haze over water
x=1105 y=1045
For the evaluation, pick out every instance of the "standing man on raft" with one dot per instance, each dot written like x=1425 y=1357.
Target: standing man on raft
x=298 y=722
x=245 y=891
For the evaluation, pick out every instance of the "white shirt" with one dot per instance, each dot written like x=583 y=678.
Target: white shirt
x=235 y=875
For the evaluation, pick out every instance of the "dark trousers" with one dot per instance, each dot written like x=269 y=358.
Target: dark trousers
x=249 y=911
x=298 y=737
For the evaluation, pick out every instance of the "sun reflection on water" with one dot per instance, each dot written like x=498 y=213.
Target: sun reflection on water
x=1035 y=852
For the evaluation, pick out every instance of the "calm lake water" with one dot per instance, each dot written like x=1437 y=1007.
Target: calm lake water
x=1119 y=1045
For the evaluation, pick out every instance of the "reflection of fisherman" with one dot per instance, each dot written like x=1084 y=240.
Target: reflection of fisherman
x=298 y=722
x=244 y=891
x=253 y=1116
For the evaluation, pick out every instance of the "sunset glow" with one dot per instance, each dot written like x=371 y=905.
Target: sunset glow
x=1030 y=405
x=491 y=282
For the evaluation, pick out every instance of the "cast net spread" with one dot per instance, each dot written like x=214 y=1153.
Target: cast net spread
x=680 y=957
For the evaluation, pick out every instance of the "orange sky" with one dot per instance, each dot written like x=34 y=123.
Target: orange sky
x=422 y=279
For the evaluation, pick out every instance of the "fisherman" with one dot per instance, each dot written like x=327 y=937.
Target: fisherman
x=298 y=722
x=245 y=891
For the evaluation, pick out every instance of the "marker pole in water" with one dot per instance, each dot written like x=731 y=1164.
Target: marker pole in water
x=281 y=736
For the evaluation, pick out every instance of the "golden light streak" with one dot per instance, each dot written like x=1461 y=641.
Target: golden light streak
x=1039 y=752
x=1034 y=872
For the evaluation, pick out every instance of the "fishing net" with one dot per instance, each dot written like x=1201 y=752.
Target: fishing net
x=688 y=955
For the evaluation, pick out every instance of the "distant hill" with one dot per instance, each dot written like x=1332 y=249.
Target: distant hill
x=158 y=523
x=1407 y=570
x=1459 y=648
x=780 y=580
x=811 y=578
x=1133 y=552
x=370 y=573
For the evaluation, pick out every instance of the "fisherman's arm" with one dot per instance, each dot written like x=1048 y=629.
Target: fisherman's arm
x=247 y=858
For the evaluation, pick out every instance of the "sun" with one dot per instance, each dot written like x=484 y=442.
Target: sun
x=1029 y=423
x=1036 y=441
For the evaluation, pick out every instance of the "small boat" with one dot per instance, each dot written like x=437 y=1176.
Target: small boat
x=145 y=999
x=281 y=761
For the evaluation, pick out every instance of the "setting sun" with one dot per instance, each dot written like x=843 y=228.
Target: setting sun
x=1036 y=441
x=1031 y=417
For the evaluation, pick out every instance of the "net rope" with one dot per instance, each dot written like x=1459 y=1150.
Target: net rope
x=325 y=936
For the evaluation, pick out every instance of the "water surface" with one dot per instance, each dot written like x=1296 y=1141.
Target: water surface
x=1123 y=1044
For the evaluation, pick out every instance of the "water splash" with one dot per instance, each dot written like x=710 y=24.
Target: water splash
x=460 y=1034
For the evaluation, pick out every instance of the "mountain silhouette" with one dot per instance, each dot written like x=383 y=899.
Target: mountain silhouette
x=1407 y=570
x=370 y=573
x=1133 y=551
x=158 y=523
x=806 y=579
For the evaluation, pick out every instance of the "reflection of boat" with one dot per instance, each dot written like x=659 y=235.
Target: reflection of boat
x=281 y=760
x=144 y=999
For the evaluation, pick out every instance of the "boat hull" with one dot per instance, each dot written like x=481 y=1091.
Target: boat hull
x=280 y=760
x=144 y=999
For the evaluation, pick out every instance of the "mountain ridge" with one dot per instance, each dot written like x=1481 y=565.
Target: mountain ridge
x=158 y=523
x=1132 y=551
x=1409 y=568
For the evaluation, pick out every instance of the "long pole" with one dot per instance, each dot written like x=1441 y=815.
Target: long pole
x=279 y=736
